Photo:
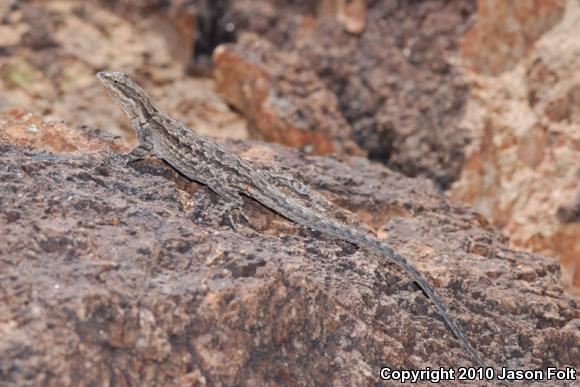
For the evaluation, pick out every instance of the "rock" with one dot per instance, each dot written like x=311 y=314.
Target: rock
x=56 y=48
x=282 y=99
x=28 y=130
x=398 y=97
x=523 y=162
x=127 y=275
x=115 y=274
x=396 y=83
x=282 y=23
x=351 y=13
x=212 y=28
x=505 y=32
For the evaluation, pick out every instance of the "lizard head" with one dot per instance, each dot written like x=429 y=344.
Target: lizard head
x=133 y=100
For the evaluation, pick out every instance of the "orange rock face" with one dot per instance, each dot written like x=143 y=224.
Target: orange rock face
x=283 y=100
x=506 y=30
x=523 y=166
x=20 y=127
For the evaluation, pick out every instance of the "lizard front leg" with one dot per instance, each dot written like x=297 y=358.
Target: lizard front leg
x=140 y=152
x=145 y=147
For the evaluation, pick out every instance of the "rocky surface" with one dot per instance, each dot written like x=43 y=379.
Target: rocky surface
x=127 y=275
x=523 y=165
x=283 y=100
x=398 y=98
x=395 y=82
x=50 y=52
x=505 y=32
x=113 y=274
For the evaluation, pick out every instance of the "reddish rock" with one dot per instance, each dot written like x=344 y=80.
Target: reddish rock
x=522 y=163
x=282 y=99
x=506 y=30
x=20 y=127
x=396 y=83
x=128 y=275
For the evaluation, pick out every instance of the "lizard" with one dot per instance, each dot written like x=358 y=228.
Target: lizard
x=200 y=159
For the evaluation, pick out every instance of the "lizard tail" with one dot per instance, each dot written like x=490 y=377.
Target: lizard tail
x=402 y=262
x=426 y=287
x=361 y=239
x=309 y=218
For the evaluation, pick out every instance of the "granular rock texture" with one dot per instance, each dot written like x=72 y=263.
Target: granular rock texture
x=505 y=32
x=283 y=100
x=381 y=73
x=51 y=50
x=117 y=274
x=395 y=82
x=28 y=130
x=523 y=165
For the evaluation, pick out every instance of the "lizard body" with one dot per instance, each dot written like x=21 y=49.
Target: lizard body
x=202 y=160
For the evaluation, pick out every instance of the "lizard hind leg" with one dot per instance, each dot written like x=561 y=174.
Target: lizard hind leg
x=230 y=201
